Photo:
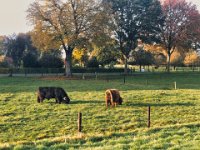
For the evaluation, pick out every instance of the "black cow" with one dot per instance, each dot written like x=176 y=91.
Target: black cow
x=52 y=92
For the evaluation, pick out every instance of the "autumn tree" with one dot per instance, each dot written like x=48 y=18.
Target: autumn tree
x=133 y=20
x=2 y=41
x=177 y=59
x=69 y=23
x=191 y=58
x=158 y=53
x=179 y=28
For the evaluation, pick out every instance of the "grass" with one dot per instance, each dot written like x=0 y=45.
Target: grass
x=175 y=121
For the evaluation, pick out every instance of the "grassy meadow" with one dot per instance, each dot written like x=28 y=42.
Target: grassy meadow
x=175 y=114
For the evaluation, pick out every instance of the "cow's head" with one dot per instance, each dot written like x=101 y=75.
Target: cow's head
x=120 y=101
x=66 y=99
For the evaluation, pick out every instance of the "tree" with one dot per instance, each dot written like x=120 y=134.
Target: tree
x=105 y=50
x=80 y=56
x=30 y=60
x=178 y=29
x=69 y=23
x=133 y=20
x=158 y=53
x=17 y=46
x=2 y=41
x=191 y=58
x=177 y=59
x=107 y=55
x=93 y=63
x=142 y=58
x=51 y=59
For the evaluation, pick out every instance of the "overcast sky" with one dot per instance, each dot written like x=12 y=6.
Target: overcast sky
x=13 y=15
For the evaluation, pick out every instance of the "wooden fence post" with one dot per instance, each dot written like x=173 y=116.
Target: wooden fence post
x=79 y=122
x=83 y=76
x=124 y=78
x=96 y=75
x=149 y=116
x=175 y=85
x=25 y=72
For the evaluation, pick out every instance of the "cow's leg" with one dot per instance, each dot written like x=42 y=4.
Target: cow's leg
x=110 y=103
x=38 y=99
x=41 y=99
x=59 y=100
x=113 y=104
x=106 y=102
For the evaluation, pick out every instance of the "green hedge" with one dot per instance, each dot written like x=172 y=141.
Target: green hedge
x=98 y=70
x=58 y=70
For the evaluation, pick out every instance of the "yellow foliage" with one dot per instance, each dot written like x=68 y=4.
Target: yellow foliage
x=78 y=53
x=42 y=39
x=176 y=57
x=2 y=58
x=191 y=58
x=154 y=48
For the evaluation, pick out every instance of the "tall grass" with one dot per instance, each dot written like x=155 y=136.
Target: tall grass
x=175 y=121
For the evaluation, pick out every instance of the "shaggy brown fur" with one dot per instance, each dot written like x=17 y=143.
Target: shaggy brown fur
x=112 y=97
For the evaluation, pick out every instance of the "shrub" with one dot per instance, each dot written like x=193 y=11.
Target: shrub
x=50 y=61
x=93 y=63
x=30 y=61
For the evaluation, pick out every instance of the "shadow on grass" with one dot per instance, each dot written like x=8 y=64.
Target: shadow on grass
x=158 y=104
x=74 y=102
x=96 y=141
x=86 y=102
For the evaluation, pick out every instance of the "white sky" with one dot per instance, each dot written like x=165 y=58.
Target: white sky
x=13 y=16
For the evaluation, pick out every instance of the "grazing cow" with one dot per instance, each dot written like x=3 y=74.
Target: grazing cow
x=112 y=97
x=52 y=92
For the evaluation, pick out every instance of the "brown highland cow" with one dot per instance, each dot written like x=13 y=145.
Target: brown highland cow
x=112 y=97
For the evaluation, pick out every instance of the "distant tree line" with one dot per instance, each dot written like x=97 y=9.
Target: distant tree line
x=103 y=33
x=18 y=51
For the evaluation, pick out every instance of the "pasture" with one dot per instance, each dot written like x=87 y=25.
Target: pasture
x=175 y=114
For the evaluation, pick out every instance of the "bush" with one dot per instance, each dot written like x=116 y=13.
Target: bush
x=30 y=61
x=50 y=61
x=4 y=64
x=93 y=63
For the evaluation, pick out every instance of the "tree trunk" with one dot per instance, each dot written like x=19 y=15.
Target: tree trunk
x=140 y=68
x=68 y=62
x=168 y=62
x=126 y=66
x=68 y=72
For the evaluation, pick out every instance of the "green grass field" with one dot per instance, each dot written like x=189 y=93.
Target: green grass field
x=175 y=114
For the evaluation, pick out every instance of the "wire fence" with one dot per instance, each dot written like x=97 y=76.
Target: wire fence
x=60 y=71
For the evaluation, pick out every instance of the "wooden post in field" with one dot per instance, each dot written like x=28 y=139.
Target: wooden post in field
x=175 y=85
x=149 y=116
x=42 y=72
x=83 y=76
x=25 y=73
x=79 y=122
x=124 y=78
x=96 y=75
